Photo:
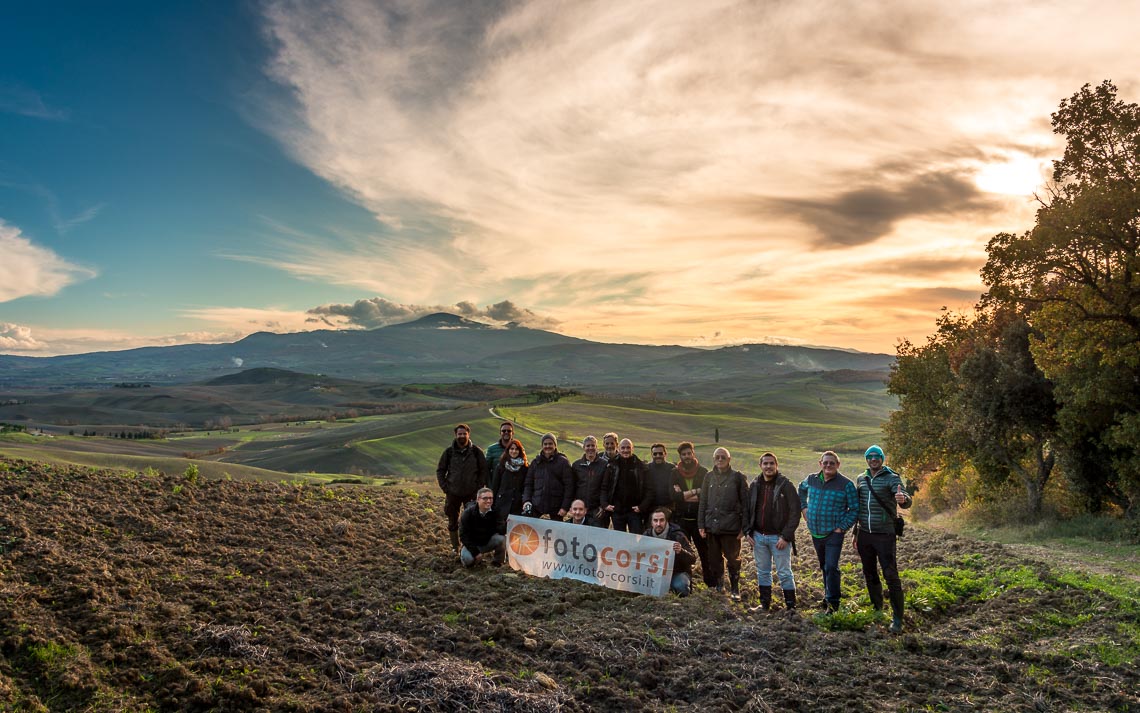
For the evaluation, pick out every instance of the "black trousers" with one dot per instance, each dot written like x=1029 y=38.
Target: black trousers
x=452 y=507
x=702 y=545
x=877 y=550
x=724 y=548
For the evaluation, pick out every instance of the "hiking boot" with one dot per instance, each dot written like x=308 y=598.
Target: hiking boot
x=454 y=535
x=735 y=580
x=790 y=599
x=766 y=598
x=896 y=625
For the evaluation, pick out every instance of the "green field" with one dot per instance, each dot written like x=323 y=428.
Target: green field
x=795 y=416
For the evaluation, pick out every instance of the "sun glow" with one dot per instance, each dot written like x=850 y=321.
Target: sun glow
x=1017 y=176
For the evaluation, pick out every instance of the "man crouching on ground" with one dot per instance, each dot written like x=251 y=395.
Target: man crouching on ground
x=479 y=531
x=683 y=555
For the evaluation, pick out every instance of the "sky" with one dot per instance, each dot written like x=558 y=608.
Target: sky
x=643 y=171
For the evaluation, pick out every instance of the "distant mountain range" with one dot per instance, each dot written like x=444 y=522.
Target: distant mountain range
x=436 y=348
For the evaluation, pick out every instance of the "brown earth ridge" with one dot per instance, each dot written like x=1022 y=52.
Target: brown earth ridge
x=149 y=592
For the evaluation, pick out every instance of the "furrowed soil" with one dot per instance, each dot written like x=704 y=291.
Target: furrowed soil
x=131 y=592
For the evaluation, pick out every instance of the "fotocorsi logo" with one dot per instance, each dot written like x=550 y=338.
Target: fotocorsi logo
x=523 y=540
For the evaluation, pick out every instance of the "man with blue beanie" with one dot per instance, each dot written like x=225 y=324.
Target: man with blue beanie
x=881 y=493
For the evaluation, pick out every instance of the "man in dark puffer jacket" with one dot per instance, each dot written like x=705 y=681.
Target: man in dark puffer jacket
x=462 y=470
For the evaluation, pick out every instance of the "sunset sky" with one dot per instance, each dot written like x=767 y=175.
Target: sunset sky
x=695 y=173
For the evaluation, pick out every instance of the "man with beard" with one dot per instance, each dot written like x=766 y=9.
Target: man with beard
x=623 y=494
x=461 y=471
x=688 y=478
x=683 y=557
x=659 y=484
x=479 y=531
x=589 y=473
x=881 y=493
x=720 y=517
x=773 y=516
x=830 y=506
x=496 y=450
x=549 y=485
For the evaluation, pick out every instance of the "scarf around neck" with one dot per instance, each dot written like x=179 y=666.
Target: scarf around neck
x=513 y=464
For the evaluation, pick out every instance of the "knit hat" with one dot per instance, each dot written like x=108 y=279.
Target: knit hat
x=874 y=451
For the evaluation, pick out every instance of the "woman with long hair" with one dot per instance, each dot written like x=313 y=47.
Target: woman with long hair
x=507 y=482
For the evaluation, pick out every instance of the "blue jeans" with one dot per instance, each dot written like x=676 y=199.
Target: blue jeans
x=828 y=549
x=765 y=553
x=681 y=584
x=496 y=544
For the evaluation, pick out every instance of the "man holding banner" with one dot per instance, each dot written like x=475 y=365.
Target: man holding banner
x=683 y=555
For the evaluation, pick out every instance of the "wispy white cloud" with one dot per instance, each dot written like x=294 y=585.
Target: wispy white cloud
x=17 y=99
x=684 y=149
x=28 y=269
x=24 y=340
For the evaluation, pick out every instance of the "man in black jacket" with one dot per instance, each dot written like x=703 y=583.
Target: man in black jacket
x=549 y=484
x=589 y=473
x=773 y=516
x=623 y=494
x=462 y=470
x=659 y=480
x=688 y=478
x=479 y=531
x=683 y=555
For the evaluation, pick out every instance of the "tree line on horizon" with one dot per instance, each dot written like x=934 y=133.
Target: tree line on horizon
x=1039 y=387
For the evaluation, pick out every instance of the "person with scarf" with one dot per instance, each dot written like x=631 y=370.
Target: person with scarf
x=688 y=478
x=507 y=482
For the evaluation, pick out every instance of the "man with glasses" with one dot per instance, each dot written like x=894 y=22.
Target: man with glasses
x=721 y=519
x=881 y=493
x=688 y=479
x=589 y=474
x=479 y=531
x=496 y=450
x=830 y=504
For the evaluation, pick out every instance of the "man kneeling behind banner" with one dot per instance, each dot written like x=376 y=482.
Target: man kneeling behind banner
x=618 y=560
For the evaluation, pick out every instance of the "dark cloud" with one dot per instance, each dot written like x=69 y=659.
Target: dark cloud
x=925 y=299
x=379 y=312
x=930 y=266
x=863 y=215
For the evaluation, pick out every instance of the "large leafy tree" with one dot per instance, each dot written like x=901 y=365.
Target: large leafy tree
x=1076 y=273
x=974 y=396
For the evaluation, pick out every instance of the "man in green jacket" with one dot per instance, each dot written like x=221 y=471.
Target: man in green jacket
x=881 y=493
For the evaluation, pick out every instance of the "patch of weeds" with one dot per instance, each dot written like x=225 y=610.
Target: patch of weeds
x=52 y=655
x=177 y=489
x=399 y=607
x=150 y=472
x=328 y=494
x=848 y=618
x=452 y=618
x=410 y=493
x=489 y=643
x=191 y=474
x=525 y=673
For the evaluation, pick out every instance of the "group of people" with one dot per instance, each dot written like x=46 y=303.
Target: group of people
x=712 y=511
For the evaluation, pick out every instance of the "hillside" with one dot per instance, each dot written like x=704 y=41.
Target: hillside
x=132 y=592
x=436 y=348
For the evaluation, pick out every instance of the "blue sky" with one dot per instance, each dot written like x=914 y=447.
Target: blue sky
x=641 y=171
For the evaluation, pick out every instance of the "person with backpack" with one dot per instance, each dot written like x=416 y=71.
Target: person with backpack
x=881 y=493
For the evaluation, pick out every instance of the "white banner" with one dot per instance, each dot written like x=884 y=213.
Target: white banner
x=618 y=560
